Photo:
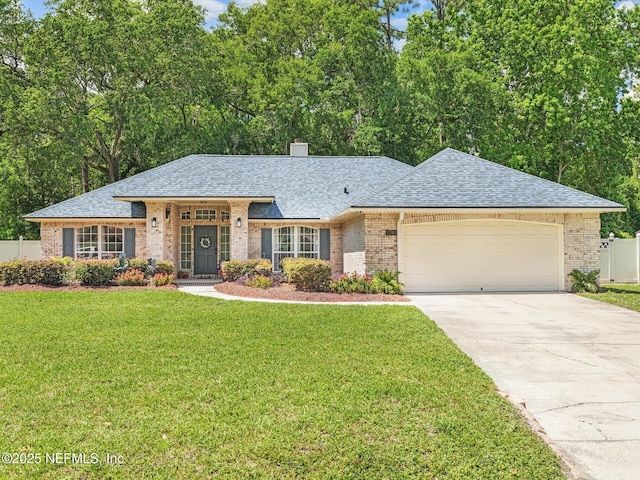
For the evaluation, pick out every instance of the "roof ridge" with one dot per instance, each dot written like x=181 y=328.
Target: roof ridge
x=402 y=176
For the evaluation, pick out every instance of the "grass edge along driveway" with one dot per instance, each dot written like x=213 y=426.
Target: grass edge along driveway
x=178 y=386
x=625 y=295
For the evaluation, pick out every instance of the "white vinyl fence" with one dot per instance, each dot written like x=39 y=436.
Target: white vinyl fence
x=620 y=259
x=22 y=249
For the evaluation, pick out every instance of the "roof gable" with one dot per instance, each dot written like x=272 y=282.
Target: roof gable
x=453 y=179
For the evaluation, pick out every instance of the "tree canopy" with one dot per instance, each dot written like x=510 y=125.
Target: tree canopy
x=99 y=90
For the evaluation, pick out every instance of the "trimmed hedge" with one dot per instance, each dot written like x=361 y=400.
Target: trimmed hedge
x=235 y=269
x=307 y=274
x=96 y=273
x=63 y=271
x=44 y=272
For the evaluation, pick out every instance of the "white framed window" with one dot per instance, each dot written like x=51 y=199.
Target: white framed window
x=205 y=214
x=99 y=242
x=186 y=215
x=185 y=248
x=87 y=242
x=295 y=241
x=112 y=243
x=226 y=216
x=225 y=243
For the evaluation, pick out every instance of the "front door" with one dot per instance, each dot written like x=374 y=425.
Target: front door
x=206 y=250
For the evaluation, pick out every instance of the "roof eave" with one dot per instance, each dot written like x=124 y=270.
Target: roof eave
x=83 y=219
x=358 y=209
x=175 y=199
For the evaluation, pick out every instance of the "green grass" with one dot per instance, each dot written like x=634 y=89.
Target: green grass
x=190 y=387
x=621 y=294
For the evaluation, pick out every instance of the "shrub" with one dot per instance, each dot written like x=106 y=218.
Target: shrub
x=50 y=272
x=11 y=273
x=259 y=281
x=353 y=283
x=165 y=268
x=307 y=274
x=95 y=272
x=585 y=281
x=141 y=264
x=234 y=269
x=162 y=279
x=44 y=272
x=386 y=281
x=131 y=278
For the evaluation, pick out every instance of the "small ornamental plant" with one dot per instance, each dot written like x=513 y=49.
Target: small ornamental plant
x=131 y=278
x=259 y=281
x=352 y=283
x=162 y=279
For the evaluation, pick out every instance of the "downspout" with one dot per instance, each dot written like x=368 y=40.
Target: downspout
x=399 y=236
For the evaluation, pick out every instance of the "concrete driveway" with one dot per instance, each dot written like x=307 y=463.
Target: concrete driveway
x=575 y=362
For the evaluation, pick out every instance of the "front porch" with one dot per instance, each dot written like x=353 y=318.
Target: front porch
x=198 y=237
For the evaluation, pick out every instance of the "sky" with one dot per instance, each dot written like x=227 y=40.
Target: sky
x=216 y=7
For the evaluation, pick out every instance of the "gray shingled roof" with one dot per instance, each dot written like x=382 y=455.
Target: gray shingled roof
x=452 y=179
x=313 y=187
x=98 y=203
x=303 y=187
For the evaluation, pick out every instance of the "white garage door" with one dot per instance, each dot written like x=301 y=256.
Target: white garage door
x=481 y=255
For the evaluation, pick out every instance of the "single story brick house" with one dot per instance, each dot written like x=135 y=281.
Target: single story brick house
x=455 y=222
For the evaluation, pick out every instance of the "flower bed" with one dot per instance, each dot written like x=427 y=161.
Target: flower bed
x=287 y=291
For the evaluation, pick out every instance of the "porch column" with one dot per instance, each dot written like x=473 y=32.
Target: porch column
x=156 y=235
x=239 y=211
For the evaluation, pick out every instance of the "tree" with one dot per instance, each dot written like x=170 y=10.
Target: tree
x=116 y=72
x=454 y=99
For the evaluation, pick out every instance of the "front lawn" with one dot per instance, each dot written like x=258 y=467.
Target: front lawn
x=168 y=385
x=625 y=295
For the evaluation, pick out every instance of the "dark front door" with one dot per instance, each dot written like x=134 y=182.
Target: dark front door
x=206 y=250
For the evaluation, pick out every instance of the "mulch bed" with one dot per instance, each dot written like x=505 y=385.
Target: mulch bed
x=288 y=291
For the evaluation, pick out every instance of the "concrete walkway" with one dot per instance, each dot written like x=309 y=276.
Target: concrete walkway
x=575 y=362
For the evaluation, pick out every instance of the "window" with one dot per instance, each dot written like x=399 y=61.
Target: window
x=295 y=242
x=205 y=214
x=186 y=215
x=87 y=242
x=225 y=252
x=112 y=242
x=109 y=243
x=185 y=248
x=308 y=242
x=225 y=216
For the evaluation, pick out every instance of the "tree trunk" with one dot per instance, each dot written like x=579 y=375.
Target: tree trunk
x=85 y=175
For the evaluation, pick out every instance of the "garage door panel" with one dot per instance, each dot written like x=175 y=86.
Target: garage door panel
x=482 y=255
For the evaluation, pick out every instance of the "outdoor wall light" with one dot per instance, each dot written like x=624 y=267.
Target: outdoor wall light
x=239 y=222
x=153 y=222
x=167 y=212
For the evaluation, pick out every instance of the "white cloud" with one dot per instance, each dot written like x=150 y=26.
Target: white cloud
x=626 y=5
x=216 y=7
